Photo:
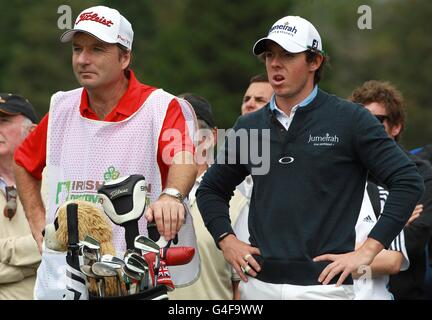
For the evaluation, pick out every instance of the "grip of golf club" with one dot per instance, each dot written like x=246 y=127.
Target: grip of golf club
x=72 y=223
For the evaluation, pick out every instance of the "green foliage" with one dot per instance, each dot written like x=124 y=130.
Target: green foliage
x=33 y=62
x=396 y=49
x=205 y=47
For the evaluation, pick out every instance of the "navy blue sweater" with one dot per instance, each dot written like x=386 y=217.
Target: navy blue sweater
x=308 y=205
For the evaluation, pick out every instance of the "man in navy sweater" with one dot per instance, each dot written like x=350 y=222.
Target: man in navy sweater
x=316 y=151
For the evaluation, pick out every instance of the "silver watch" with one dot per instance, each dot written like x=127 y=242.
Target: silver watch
x=173 y=192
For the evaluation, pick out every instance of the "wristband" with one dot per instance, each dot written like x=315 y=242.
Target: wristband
x=223 y=236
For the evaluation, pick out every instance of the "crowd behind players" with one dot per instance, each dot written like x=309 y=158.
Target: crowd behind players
x=406 y=268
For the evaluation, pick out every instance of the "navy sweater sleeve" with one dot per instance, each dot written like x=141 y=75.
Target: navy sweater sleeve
x=390 y=165
x=217 y=187
x=418 y=232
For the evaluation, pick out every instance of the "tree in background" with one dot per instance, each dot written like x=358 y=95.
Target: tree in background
x=33 y=62
x=396 y=49
x=204 y=47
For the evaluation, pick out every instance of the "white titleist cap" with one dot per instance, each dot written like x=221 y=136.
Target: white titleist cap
x=292 y=33
x=106 y=24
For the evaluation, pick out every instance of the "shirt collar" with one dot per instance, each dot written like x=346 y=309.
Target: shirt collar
x=128 y=104
x=305 y=102
x=199 y=179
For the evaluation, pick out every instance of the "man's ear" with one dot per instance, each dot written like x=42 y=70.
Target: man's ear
x=395 y=130
x=126 y=59
x=32 y=127
x=316 y=63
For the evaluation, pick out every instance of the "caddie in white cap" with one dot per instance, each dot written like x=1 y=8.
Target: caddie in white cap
x=106 y=24
x=112 y=126
x=308 y=192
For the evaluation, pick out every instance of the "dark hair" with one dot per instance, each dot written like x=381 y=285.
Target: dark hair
x=310 y=57
x=259 y=78
x=386 y=94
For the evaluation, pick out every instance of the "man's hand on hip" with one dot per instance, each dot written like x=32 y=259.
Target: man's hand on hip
x=239 y=255
x=347 y=263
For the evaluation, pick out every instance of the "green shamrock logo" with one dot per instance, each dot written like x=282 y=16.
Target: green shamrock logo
x=111 y=174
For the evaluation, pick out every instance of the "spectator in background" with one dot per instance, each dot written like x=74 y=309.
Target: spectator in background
x=371 y=282
x=19 y=255
x=214 y=282
x=384 y=101
x=425 y=153
x=257 y=95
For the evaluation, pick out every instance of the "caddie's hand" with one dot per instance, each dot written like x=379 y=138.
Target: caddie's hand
x=169 y=215
x=239 y=254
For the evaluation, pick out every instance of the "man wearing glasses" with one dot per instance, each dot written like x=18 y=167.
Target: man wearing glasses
x=385 y=102
x=19 y=255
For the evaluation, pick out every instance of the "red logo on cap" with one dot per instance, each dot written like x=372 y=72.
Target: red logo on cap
x=94 y=17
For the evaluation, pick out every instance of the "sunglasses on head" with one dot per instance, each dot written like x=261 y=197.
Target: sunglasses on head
x=381 y=117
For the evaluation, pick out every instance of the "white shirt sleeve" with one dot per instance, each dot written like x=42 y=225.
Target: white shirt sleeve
x=398 y=244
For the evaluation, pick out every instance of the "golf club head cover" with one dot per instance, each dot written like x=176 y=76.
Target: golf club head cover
x=124 y=202
x=151 y=259
x=177 y=256
x=124 y=199
x=174 y=256
x=164 y=276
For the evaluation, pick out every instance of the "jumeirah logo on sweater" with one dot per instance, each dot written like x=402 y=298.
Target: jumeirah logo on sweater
x=327 y=140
